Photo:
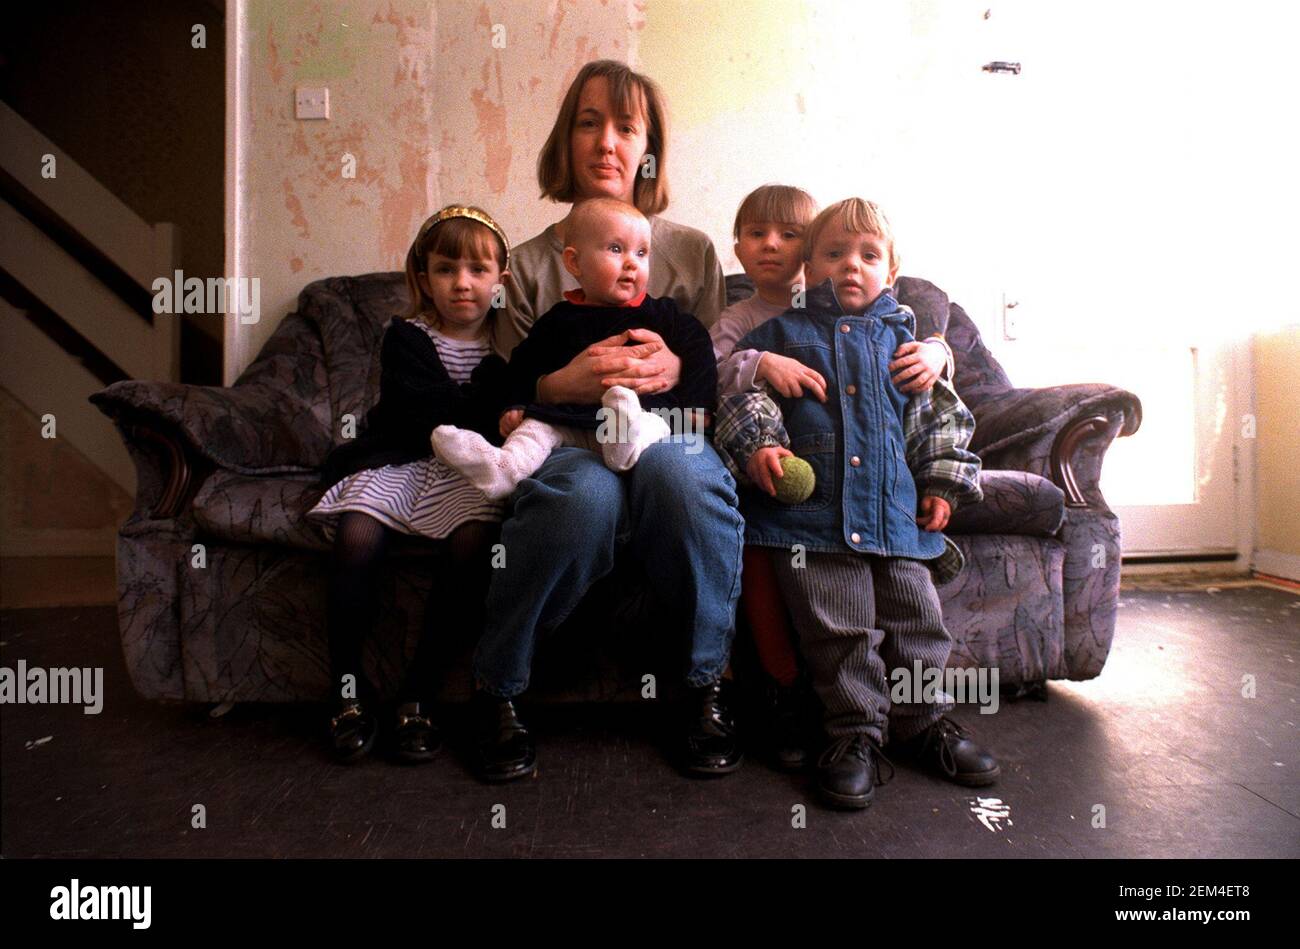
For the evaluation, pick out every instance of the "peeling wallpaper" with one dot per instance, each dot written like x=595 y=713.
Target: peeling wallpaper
x=431 y=111
x=994 y=185
x=434 y=113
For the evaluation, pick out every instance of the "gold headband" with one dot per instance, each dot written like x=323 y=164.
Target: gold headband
x=465 y=211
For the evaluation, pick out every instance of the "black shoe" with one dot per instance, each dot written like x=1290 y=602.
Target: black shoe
x=787 y=741
x=947 y=749
x=352 y=732
x=848 y=773
x=709 y=743
x=504 y=750
x=416 y=737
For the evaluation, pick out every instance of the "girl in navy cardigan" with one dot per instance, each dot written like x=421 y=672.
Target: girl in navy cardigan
x=437 y=368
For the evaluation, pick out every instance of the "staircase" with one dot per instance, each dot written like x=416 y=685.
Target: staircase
x=77 y=268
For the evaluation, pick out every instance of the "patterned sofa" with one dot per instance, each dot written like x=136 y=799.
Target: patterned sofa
x=222 y=580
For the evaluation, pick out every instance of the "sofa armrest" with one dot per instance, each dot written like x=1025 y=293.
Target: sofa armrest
x=176 y=472
x=1020 y=415
x=246 y=428
x=1061 y=433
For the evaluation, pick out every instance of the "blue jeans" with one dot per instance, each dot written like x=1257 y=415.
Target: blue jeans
x=678 y=511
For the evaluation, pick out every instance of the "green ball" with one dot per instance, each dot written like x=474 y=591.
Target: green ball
x=798 y=481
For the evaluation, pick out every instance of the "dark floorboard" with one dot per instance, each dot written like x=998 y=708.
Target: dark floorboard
x=1184 y=765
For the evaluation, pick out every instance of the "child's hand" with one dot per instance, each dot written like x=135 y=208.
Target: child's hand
x=765 y=464
x=934 y=513
x=918 y=364
x=511 y=419
x=790 y=377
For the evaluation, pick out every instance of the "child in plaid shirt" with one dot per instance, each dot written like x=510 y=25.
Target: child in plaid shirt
x=854 y=560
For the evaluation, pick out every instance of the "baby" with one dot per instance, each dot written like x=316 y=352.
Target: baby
x=608 y=253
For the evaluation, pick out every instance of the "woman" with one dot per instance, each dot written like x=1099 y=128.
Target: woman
x=676 y=509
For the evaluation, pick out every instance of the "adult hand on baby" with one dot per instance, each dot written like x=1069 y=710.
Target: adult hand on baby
x=917 y=364
x=579 y=381
x=764 y=465
x=646 y=368
x=511 y=419
x=790 y=377
x=934 y=513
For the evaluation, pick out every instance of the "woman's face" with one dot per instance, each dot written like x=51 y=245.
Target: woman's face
x=605 y=149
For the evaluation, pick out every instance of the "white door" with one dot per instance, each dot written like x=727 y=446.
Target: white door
x=1137 y=180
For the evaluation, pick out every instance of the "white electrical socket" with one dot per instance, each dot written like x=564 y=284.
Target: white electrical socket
x=311 y=102
x=1010 y=318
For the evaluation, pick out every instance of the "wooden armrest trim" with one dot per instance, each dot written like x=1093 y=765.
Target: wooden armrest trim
x=1063 y=455
x=179 y=472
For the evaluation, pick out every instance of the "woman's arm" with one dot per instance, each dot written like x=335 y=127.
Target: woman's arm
x=708 y=306
x=645 y=368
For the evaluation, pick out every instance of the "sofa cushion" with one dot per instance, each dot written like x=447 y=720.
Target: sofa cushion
x=252 y=510
x=248 y=509
x=1015 y=502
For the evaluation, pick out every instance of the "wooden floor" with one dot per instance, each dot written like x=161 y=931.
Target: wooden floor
x=33 y=582
x=1183 y=764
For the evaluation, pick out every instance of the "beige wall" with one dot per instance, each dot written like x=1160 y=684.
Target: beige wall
x=434 y=113
x=1277 y=473
x=990 y=181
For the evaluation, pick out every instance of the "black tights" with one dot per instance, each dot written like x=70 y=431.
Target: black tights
x=452 y=616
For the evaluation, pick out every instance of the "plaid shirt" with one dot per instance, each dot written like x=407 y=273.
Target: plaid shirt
x=937 y=428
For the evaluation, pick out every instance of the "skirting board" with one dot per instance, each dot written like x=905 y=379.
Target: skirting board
x=1278 y=564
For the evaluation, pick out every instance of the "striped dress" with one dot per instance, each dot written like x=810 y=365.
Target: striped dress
x=424 y=497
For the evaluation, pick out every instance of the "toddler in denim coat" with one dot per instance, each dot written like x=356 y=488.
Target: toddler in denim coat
x=855 y=560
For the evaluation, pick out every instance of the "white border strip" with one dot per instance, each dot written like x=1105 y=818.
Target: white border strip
x=235 y=336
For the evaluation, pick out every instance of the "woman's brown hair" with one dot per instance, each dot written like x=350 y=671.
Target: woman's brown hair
x=630 y=93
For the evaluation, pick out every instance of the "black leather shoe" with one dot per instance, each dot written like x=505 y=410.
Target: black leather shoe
x=709 y=745
x=352 y=732
x=946 y=749
x=504 y=749
x=787 y=742
x=848 y=772
x=416 y=737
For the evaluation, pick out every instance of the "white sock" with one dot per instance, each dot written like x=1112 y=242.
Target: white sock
x=640 y=428
x=495 y=471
